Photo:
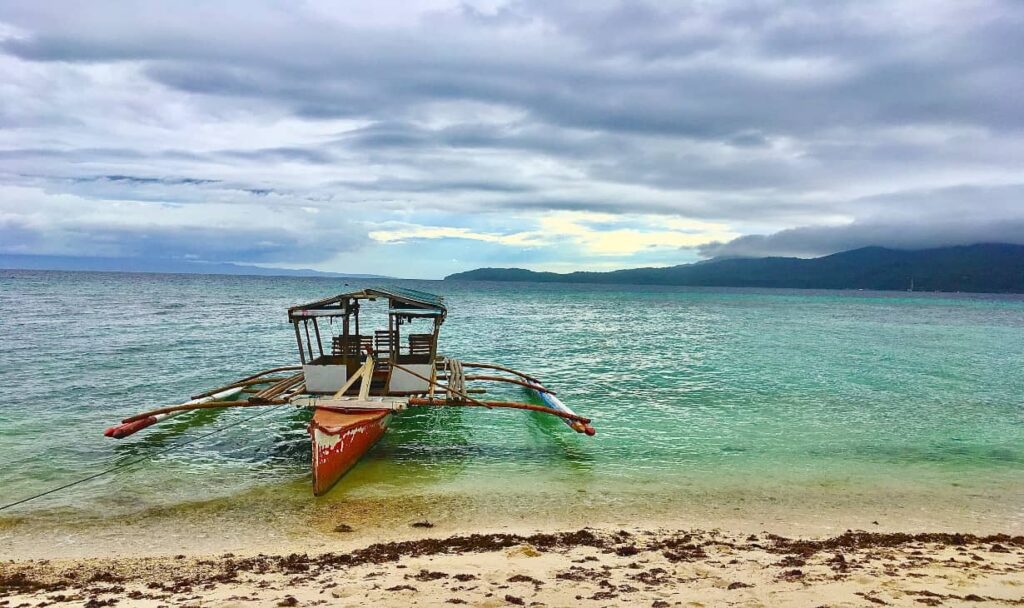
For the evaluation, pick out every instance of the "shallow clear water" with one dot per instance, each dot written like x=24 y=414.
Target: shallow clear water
x=713 y=396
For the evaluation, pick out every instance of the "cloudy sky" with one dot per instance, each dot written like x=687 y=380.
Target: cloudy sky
x=418 y=139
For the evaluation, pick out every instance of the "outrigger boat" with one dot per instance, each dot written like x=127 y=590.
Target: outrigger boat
x=357 y=381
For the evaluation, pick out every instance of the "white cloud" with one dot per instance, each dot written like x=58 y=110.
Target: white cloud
x=623 y=131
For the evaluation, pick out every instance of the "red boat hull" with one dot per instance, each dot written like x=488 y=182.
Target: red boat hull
x=340 y=439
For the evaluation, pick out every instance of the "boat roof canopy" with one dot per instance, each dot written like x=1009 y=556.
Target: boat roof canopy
x=402 y=302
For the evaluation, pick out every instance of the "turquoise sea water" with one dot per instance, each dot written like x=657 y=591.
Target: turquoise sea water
x=804 y=400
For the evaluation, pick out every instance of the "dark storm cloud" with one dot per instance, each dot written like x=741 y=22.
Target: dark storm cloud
x=133 y=179
x=71 y=154
x=814 y=241
x=435 y=185
x=541 y=203
x=283 y=154
x=631 y=68
x=400 y=137
x=959 y=216
x=848 y=119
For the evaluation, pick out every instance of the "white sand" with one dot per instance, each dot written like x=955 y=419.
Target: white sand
x=590 y=568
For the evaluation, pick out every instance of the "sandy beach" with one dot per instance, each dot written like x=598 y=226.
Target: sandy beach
x=266 y=550
x=599 y=567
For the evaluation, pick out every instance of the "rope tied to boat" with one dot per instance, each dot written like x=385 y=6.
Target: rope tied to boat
x=130 y=463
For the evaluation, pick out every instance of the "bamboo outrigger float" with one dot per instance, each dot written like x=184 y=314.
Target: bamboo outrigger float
x=357 y=381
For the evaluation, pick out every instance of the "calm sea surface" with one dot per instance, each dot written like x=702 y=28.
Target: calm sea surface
x=700 y=396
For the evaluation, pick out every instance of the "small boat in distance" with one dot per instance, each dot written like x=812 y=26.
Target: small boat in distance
x=354 y=381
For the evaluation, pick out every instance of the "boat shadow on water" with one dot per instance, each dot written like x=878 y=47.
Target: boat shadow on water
x=421 y=446
x=426 y=447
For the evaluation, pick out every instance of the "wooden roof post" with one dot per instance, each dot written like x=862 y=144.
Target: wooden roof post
x=433 y=343
x=298 y=340
x=309 y=342
x=319 y=342
x=344 y=332
x=396 y=346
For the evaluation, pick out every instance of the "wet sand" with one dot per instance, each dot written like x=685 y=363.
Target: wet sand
x=273 y=520
x=589 y=567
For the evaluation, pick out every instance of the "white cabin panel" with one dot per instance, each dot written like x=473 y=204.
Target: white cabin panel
x=403 y=381
x=324 y=378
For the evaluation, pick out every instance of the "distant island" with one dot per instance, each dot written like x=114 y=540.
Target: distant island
x=160 y=266
x=982 y=268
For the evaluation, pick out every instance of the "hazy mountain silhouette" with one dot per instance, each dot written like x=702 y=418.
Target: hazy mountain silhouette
x=158 y=265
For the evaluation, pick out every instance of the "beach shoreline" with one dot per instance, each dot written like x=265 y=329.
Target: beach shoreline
x=589 y=566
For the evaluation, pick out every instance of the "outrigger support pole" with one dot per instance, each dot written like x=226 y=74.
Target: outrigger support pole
x=502 y=368
x=579 y=424
x=137 y=423
x=365 y=374
x=206 y=405
x=447 y=389
x=272 y=395
x=515 y=405
x=243 y=381
x=536 y=387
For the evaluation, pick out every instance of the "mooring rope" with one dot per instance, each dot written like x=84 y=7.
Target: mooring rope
x=137 y=460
